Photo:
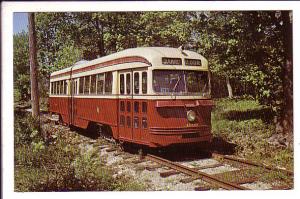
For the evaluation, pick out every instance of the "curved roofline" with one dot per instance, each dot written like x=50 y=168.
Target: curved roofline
x=147 y=55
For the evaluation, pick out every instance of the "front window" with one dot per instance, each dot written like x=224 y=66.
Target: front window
x=181 y=82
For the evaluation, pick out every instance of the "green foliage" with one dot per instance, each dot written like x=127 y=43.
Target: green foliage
x=21 y=67
x=250 y=134
x=248 y=47
x=67 y=56
x=26 y=129
x=164 y=29
x=59 y=166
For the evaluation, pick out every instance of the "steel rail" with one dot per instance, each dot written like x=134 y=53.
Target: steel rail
x=195 y=173
x=248 y=162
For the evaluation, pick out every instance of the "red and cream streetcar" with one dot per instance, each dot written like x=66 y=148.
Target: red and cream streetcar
x=153 y=96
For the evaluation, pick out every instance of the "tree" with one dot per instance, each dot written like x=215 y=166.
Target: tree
x=33 y=67
x=21 y=66
x=164 y=29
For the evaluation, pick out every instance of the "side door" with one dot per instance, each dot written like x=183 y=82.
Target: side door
x=139 y=103
x=125 y=105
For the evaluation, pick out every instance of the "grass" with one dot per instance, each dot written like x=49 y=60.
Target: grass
x=59 y=165
x=248 y=125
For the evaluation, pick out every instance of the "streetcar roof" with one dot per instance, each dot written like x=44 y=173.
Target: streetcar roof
x=149 y=56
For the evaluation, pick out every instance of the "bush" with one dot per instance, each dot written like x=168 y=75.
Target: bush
x=59 y=166
x=26 y=129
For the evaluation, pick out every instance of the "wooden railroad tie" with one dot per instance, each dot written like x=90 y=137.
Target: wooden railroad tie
x=188 y=180
x=118 y=153
x=202 y=188
x=168 y=173
x=152 y=167
x=281 y=187
x=237 y=176
x=138 y=161
x=111 y=149
x=245 y=180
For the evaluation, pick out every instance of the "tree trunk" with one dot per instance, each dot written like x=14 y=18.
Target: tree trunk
x=100 y=44
x=287 y=114
x=33 y=67
x=229 y=88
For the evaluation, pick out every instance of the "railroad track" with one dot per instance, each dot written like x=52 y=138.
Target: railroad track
x=213 y=181
x=251 y=163
x=195 y=173
x=217 y=180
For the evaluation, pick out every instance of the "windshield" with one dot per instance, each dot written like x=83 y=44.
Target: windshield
x=180 y=82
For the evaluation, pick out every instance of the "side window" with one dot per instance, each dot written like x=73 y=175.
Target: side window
x=54 y=87
x=61 y=87
x=76 y=88
x=100 y=84
x=51 y=90
x=128 y=84
x=57 y=88
x=93 y=84
x=144 y=82
x=108 y=82
x=87 y=85
x=122 y=83
x=136 y=82
x=81 y=80
x=65 y=87
x=73 y=86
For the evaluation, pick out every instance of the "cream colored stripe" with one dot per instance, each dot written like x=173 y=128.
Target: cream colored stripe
x=133 y=97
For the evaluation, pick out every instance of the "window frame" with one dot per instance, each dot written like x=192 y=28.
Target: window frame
x=144 y=84
x=128 y=80
x=93 y=85
x=108 y=84
x=136 y=83
x=100 y=78
x=81 y=86
x=122 y=84
x=87 y=79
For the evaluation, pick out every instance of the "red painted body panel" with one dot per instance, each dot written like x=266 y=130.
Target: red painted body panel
x=166 y=119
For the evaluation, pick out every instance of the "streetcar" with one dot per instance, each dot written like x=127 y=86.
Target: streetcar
x=152 y=96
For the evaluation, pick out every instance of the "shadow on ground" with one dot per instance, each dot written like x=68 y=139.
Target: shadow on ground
x=195 y=152
x=266 y=114
x=186 y=152
x=93 y=134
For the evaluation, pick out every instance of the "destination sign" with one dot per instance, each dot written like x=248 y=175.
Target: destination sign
x=171 y=61
x=193 y=62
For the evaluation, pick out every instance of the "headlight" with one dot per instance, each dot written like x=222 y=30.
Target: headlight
x=191 y=116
